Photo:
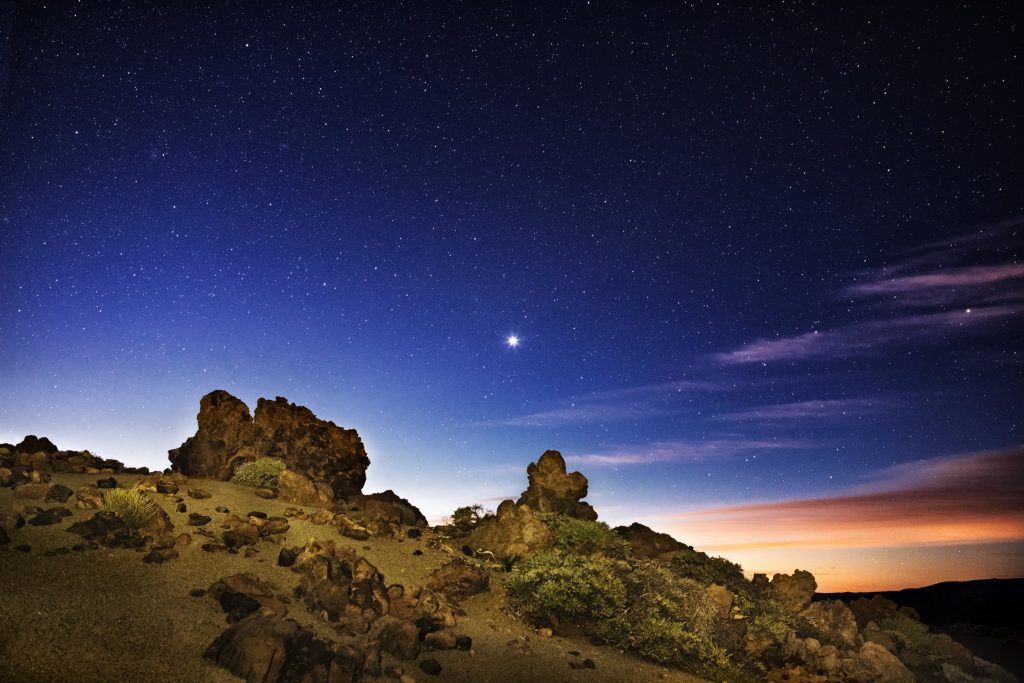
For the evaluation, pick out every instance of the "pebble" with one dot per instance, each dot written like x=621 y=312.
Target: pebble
x=182 y=507
x=199 y=494
x=431 y=667
x=221 y=508
x=266 y=493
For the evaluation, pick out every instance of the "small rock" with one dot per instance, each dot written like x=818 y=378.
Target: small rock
x=213 y=547
x=440 y=640
x=108 y=483
x=51 y=516
x=32 y=491
x=464 y=643
x=222 y=509
x=196 y=519
x=286 y=558
x=160 y=556
x=59 y=493
x=401 y=639
x=431 y=667
x=24 y=548
x=545 y=632
x=199 y=494
x=182 y=507
x=183 y=540
x=417 y=552
x=4 y=538
x=257 y=514
x=265 y=493
x=166 y=486
x=197 y=592
x=414 y=533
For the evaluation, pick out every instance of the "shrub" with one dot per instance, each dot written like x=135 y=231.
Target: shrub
x=569 y=585
x=907 y=632
x=585 y=537
x=706 y=570
x=261 y=473
x=131 y=505
x=464 y=520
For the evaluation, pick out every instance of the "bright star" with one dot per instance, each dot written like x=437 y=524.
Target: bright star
x=512 y=341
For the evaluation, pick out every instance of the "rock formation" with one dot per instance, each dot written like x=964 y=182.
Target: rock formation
x=515 y=532
x=552 y=490
x=228 y=436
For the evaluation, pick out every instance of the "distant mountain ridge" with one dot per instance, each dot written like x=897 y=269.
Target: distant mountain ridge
x=992 y=602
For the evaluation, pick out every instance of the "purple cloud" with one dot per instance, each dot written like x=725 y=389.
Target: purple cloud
x=803 y=410
x=692 y=451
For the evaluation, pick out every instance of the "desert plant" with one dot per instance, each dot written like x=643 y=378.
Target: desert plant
x=585 y=537
x=464 y=520
x=706 y=570
x=132 y=505
x=907 y=632
x=261 y=473
x=556 y=582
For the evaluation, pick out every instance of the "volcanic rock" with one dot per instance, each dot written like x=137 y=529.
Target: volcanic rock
x=107 y=483
x=875 y=663
x=515 y=533
x=835 y=622
x=166 y=486
x=35 y=444
x=196 y=519
x=107 y=528
x=647 y=543
x=51 y=516
x=32 y=491
x=316 y=449
x=296 y=488
x=459 y=579
x=552 y=490
x=794 y=591
x=401 y=638
x=89 y=497
x=59 y=493
x=199 y=494
x=347 y=587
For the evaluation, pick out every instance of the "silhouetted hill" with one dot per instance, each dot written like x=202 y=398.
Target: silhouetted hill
x=993 y=602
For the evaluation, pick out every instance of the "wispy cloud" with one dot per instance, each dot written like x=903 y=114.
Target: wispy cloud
x=958 y=286
x=615 y=405
x=868 y=337
x=803 y=410
x=686 y=451
x=966 y=498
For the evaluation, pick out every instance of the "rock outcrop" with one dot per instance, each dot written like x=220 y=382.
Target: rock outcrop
x=551 y=489
x=649 y=544
x=228 y=436
x=515 y=532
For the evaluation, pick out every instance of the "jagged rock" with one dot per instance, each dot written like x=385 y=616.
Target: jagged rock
x=794 y=590
x=6 y=476
x=401 y=638
x=243 y=594
x=459 y=579
x=431 y=667
x=441 y=640
x=552 y=490
x=107 y=529
x=648 y=544
x=196 y=519
x=35 y=444
x=228 y=436
x=89 y=497
x=874 y=663
x=166 y=486
x=59 y=493
x=410 y=514
x=876 y=609
x=835 y=622
x=51 y=516
x=107 y=483
x=422 y=605
x=240 y=532
x=345 y=586
x=199 y=494
x=293 y=487
x=160 y=555
x=515 y=532
x=269 y=649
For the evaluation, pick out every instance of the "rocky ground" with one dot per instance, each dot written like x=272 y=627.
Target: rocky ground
x=82 y=613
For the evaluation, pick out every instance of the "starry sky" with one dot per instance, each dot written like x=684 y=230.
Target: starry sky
x=763 y=263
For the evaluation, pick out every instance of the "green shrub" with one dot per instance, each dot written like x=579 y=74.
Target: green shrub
x=464 y=520
x=585 y=537
x=132 y=505
x=907 y=632
x=261 y=473
x=569 y=585
x=771 y=618
x=706 y=570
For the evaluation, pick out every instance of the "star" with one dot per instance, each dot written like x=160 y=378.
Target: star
x=512 y=341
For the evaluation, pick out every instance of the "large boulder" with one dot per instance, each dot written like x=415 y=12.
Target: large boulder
x=228 y=436
x=346 y=587
x=35 y=444
x=551 y=489
x=515 y=532
x=794 y=590
x=835 y=623
x=874 y=663
x=648 y=544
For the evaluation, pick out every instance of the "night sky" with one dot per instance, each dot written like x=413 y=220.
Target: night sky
x=764 y=265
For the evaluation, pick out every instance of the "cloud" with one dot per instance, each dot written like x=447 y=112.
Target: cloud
x=803 y=410
x=866 y=338
x=682 y=451
x=616 y=405
x=960 y=285
x=965 y=498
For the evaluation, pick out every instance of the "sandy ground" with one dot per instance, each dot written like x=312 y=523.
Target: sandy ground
x=105 y=616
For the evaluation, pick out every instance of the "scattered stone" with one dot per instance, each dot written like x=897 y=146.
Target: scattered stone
x=166 y=486
x=286 y=558
x=464 y=643
x=545 y=632
x=107 y=529
x=401 y=639
x=649 y=544
x=459 y=579
x=321 y=517
x=108 y=483
x=265 y=493
x=835 y=623
x=197 y=592
x=222 y=509
x=4 y=538
x=343 y=585
x=89 y=498
x=59 y=493
x=183 y=540
x=297 y=488
x=875 y=663
x=257 y=514
x=159 y=556
x=551 y=489
x=414 y=533
x=213 y=547
x=275 y=525
x=196 y=519
x=431 y=667
x=440 y=640
x=417 y=552
x=199 y=494
x=51 y=516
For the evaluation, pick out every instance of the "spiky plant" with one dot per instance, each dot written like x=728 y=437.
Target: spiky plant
x=132 y=505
